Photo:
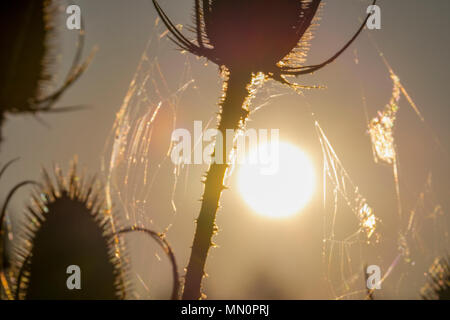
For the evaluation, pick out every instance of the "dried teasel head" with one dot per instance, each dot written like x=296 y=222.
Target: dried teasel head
x=69 y=225
x=438 y=286
x=253 y=35
x=28 y=37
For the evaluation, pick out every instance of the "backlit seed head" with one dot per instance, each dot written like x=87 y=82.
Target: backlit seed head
x=28 y=39
x=253 y=35
x=26 y=56
x=68 y=224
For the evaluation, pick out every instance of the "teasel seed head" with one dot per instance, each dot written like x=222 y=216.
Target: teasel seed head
x=26 y=55
x=68 y=224
x=27 y=59
x=253 y=35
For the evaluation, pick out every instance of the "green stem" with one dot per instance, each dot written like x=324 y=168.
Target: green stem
x=233 y=115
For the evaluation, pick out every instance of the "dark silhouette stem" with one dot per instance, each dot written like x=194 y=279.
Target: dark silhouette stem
x=232 y=116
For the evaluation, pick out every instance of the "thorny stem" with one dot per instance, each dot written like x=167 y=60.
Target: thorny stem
x=232 y=116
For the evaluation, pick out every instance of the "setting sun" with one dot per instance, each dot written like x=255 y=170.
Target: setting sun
x=283 y=193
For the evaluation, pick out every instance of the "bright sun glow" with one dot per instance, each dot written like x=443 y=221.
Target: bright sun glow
x=283 y=193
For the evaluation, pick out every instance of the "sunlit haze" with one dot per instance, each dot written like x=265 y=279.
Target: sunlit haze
x=283 y=193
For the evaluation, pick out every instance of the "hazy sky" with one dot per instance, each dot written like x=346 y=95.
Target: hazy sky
x=257 y=257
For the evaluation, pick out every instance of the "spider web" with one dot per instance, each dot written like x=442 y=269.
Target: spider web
x=132 y=159
x=343 y=270
x=345 y=256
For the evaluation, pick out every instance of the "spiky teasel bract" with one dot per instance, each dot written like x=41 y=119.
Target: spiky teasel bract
x=68 y=224
x=27 y=58
x=438 y=285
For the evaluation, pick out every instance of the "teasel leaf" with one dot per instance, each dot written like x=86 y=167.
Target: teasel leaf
x=68 y=225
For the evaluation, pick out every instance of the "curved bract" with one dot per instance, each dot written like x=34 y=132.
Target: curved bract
x=5 y=266
x=162 y=242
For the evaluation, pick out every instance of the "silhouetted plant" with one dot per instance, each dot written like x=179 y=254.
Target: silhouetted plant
x=247 y=39
x=69 y=224
x=438 y=286
x=27 y=58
